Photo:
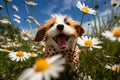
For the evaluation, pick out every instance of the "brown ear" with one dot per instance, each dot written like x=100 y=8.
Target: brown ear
x=40 y=33
x=79 y=28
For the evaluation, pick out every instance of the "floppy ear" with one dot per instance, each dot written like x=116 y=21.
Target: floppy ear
x=40 y=33
x=79 y=28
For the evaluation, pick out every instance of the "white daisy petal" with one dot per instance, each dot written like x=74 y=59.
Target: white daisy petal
x=54 y=74
x=58 y=69
x=37 y=75
x=26 y=73
x=99 y=47
x=113 y=39
x=80 y=41
x=119 y=39
x=107 y=34
x=15 y=8
x=54 y=58
x=47 y=75
x=91 y=48
x=79 y=5
x=108 y=67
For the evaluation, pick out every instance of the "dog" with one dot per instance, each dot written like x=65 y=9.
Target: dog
x=60 y=34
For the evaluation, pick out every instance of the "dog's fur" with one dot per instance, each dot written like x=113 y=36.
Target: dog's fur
x=60 y=35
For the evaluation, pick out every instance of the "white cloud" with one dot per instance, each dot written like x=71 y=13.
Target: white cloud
x=67 y=5
x=59 y=6
x=49 y=9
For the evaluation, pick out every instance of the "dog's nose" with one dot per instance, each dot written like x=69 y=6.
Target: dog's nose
x=60 y=27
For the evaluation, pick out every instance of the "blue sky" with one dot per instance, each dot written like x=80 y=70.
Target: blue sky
x=45 y=8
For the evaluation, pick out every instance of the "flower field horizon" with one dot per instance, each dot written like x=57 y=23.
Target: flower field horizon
x=21 y=58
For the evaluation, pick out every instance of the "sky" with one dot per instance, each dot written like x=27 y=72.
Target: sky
x=46 y=8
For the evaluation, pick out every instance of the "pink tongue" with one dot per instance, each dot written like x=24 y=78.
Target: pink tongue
x=61 y=41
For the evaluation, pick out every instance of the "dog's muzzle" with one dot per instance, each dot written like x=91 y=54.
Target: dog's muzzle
x=60 y=27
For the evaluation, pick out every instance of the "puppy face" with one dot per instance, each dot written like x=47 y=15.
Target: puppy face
x=60 y=31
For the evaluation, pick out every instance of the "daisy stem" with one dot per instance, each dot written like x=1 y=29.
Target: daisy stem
x=81 y=21
x=8 y=12
x=78 y=30
x=6 y=6
x=8 y=31
x=30 y=26
x=32 y=10
x=28 y=12
x=26 y=8
x=95 y=26
x=86 y=49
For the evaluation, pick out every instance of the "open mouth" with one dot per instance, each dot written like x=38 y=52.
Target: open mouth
x=61 y=40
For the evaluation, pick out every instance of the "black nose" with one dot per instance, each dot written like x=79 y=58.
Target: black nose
x=60 y=27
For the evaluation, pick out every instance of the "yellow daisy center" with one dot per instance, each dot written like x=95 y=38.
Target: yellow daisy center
x=116 y=33
x=26 y=33
x=20 y=54
x=31 y=3
x=116 y=68
x=88 y=43
x=32 y=55
x=7 y=0
x=41 y=65
x=5 y=19
x=85 y=9
x=5 y=50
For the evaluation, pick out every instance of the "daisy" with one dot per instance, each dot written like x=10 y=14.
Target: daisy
x=25 y=38
x=32 y=55
x=84 y=76
x=112 y=35
x=36 y=22
x=115 y=2
x=4 y=50
x=18 y=56
x=26 y=33
x=115 y=67
x=15 y=8
x=44 y=69
x=16 y=20
x=7 y=1
x=1 y=37
x=5 y=45
x=85 y=9
x=1 y=7
x=31 y=3
x=5 y=20
x=16 y=44
x=89 y=42
x=16 y=16
x=29 y=21
x=31 y=17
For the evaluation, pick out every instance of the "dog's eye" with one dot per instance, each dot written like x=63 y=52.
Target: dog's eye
x=67 y=23
x=51 y=25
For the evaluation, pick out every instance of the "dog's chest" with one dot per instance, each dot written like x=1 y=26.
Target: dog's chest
x=69 y=54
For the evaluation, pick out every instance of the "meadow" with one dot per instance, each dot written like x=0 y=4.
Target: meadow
x=99 y=46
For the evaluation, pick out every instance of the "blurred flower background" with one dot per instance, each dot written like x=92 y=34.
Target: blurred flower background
x=99 y=47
